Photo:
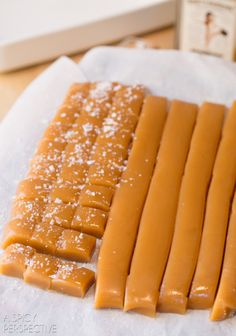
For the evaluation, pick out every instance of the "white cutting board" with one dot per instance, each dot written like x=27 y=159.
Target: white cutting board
x=173 y=74
x=32 y=31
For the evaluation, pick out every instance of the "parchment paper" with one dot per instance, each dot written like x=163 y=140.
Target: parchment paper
x=25 y=310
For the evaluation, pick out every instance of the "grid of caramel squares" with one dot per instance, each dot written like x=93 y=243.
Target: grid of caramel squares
x=153 y=180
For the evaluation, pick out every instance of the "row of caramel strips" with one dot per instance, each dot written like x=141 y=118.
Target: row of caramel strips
x=45 y=271
x=173 y=251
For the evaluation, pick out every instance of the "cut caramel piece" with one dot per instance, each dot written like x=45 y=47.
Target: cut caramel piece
x=45 y=167
x=76 y=95
x=76 y=246
x=29 y=211
x=59 y=213
x=56 y=131
x=190 y=214
x=73 y=280
x=17 y=231
x=221 y=190
x=105 y=174
x=89 y=220
x=66 y=192
x=41 y=269
x=99 y=101
x=31 y=188
x=50 y=147
x=158 y=217
x=119 y=238
x=45 y=237
x=95 y=196
x=225 y=302
x=15 y=259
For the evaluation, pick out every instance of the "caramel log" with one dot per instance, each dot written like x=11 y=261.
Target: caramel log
x=119 y=238
x=90 y=220
x=225 y=302
x=190 y=214
x=41 y=269
x=209 y=264
x=96 y=196
x=76 y=246
x=158 y=218
x=15 y=259
x=72 y=280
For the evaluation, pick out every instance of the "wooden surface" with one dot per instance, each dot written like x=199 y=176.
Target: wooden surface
x=12 y=84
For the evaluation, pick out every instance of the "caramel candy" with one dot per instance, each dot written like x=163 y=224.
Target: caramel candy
x=76 y=96
x=85 y=131
x=45 y=167
x=15 y=259
x=29 y=211
x=66 y=192
x=220 y=194
x=225 y=302
x=17 y=231
x=96 y=196
x=99 y=100
x=46 y=147
x=158 y=217
x=76 y=246
x=119 y=238
x=72 y=280
x=56 y=131
x=44 y=237
x=59 y=213
x=190 y=214
x=31 y=188
x=90 y=220
x=41 y=269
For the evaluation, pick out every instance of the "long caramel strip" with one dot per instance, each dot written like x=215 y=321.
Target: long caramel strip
x=122 y=226
x=225 y=302
x=220 y=194
x=158 y=218
x=190 y=214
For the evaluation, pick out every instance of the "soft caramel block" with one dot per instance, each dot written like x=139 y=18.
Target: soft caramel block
x=90 y=220
x=72 y=279
x=119 y=238
x=220 y=194
x=108 y=162
x=95 y=196
x=190 y=213
x=45 y=237
x=76 y=96
x=75 y=245
x=17 y=231
x=50 y=147
x=41 y=269
x=45 y=167
x=225 y=302
x=33 y=188
x=158 y=217
x=14 y=260
x=59 y=213
x=30 y=211
x=57 y=131
x=65 y=191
